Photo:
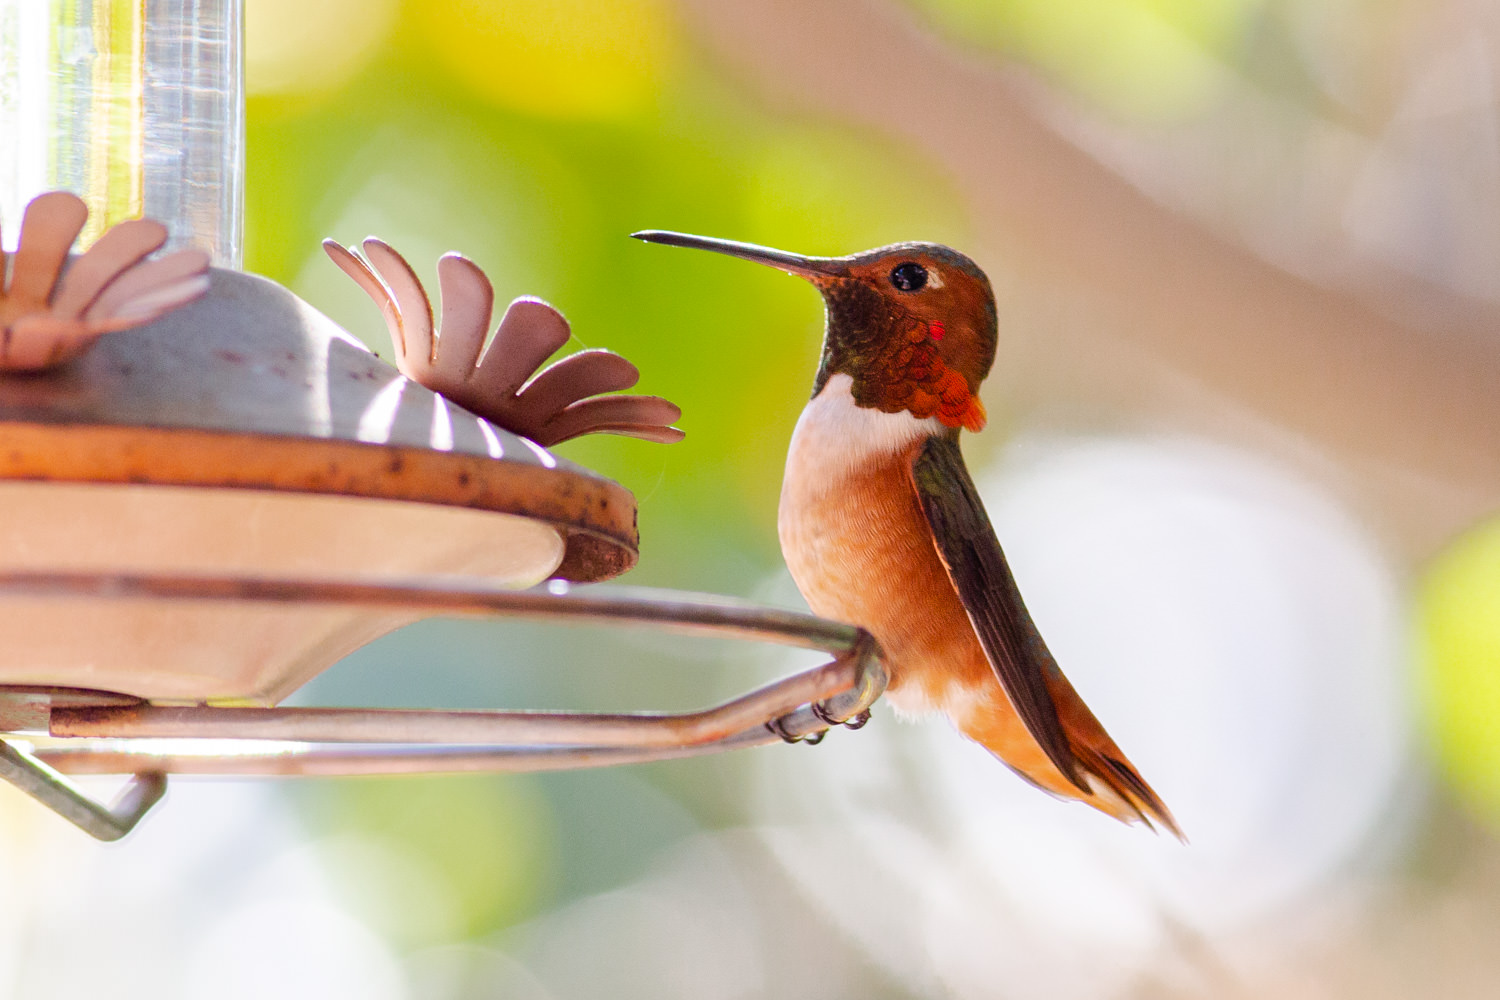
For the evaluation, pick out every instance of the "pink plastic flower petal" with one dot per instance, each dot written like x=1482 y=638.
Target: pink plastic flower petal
x=48 y=317
x=501 y=383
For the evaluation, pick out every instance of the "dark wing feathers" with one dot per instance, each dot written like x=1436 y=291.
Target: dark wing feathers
x=966 y=542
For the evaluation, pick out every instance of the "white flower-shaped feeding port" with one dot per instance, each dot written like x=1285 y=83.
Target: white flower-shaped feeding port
x=560 y=402
x=48 y=317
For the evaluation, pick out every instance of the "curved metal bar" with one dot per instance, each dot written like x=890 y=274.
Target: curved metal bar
x=52 y=789
x=799 y=707
x=693 y=613
x=380 y=760
x=363 y=725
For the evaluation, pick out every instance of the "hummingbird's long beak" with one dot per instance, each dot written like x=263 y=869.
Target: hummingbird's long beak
x=792 y=263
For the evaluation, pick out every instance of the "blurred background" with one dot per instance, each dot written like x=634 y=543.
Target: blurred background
x=1243 y=451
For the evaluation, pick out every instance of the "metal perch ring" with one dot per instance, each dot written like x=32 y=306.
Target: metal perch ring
x=337 y=741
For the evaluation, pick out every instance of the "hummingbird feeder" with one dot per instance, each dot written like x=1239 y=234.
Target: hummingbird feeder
x=213 y=493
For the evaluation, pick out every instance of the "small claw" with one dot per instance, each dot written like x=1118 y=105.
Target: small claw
x=853 y=722
x=858 y=721
x=821 y=713
x=778 y=728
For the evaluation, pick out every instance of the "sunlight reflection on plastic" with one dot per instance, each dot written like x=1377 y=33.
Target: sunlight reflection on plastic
x=541 y=453
x=380 y=416
x=491 y=441
x=442 y=425
x=1243 y=642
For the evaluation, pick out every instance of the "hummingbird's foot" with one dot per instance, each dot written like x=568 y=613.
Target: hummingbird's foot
x=853 y=722
x=778 y=729
x=778 y=726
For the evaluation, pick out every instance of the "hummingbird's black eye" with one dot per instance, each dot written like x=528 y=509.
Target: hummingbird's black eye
x=909 y=277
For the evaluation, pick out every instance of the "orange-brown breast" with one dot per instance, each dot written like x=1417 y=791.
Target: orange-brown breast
x=861 y=554
x=860 y=550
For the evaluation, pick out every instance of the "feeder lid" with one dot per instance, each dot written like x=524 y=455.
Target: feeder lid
x=249 y=388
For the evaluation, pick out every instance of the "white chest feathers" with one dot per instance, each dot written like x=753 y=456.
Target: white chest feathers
x=835 y=437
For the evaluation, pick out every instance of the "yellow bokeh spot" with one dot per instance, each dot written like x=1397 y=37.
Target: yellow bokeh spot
x=1459 y=631
x=589 y=59
x=298 y=47
x=1124 y=55
x=1152 y=59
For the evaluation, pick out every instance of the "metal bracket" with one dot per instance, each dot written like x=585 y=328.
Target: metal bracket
x=98 y=738
x=55 y=791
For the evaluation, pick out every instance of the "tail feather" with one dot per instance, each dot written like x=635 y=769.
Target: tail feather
x=1106 y=779
x=1119 y=790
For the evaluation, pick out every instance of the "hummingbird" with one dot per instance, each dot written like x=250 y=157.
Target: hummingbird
x=882 y=527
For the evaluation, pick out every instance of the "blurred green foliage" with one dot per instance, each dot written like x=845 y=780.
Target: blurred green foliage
x=1145 y=59
x=480 y=849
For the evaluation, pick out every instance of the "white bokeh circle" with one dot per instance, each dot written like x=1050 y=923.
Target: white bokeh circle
x=1240 y=637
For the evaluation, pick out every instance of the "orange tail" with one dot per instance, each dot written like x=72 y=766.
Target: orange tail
x=1119 y=789
x=1106 y=779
